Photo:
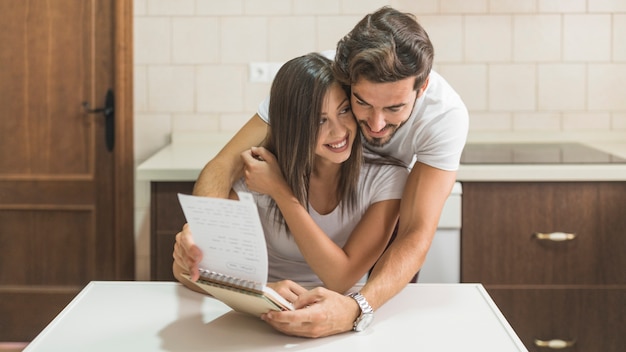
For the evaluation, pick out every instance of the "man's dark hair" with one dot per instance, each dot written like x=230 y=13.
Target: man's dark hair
x=385 y=46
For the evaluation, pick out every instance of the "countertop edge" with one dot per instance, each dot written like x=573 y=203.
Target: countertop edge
x=184 y=158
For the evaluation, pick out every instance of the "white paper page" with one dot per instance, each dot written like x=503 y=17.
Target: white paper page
x=230 y=235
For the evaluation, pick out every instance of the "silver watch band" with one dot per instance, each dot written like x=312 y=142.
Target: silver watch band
x=367 y=313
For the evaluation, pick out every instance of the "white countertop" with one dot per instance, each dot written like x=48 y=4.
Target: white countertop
x=165 y=316
x=185 y=157
x=614 y=143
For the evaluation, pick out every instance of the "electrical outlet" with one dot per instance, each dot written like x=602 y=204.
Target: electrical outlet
x=259 y=72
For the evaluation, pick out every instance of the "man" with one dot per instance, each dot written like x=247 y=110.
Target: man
x=405 y=110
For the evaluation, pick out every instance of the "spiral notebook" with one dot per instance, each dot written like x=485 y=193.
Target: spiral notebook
x=234 y=261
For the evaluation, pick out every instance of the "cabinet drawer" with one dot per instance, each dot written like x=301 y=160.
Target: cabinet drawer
x=499 y=220
x=594 y=318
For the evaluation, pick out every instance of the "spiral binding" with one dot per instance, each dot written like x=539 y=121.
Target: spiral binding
x=230 y=281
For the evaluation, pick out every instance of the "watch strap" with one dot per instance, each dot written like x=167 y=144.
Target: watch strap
x=366 y=311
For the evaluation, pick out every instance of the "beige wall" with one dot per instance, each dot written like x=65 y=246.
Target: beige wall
x=520 y=65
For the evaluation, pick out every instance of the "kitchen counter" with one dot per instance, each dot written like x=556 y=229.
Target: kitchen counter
x=185 y=157
x=613 y=143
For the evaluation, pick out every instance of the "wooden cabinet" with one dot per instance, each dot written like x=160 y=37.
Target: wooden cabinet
x=166 y=220
x=571 y=290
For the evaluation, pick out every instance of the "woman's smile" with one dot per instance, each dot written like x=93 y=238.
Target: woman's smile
x=339 y=146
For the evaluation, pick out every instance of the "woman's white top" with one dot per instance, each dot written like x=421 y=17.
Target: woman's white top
x=377 y=183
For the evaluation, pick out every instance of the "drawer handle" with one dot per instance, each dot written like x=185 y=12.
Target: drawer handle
x=555 y=344
x=554 y=236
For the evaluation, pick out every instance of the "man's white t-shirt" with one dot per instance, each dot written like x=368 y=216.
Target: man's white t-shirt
x=434 y=134
x=376 y=183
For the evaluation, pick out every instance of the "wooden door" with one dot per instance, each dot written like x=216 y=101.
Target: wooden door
x=65 y=199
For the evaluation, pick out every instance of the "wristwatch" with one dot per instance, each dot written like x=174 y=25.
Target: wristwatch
x=367 y=313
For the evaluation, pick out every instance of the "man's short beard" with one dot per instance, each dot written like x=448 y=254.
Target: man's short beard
x=379 y=142
x=376 y=142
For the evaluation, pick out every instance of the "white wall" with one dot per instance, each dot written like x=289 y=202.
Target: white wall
x=520 y=65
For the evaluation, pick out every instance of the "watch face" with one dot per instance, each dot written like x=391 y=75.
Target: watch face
x=364 y=321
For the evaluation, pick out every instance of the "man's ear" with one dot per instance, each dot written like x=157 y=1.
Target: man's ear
x=423 y=87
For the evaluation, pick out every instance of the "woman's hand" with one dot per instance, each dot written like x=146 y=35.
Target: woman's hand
x=261 y=171
x=288 y=289
x=186 y=254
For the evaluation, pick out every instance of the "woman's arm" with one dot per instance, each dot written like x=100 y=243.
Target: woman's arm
x=338 y=267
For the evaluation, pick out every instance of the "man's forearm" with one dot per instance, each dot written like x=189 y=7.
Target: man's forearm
x=394 y=270
x=216 y=179
x=425 y=193
x=219 y=175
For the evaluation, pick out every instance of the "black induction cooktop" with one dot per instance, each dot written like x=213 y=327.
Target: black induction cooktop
x=533 y=153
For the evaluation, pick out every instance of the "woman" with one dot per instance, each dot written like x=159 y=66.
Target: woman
x=327 y=214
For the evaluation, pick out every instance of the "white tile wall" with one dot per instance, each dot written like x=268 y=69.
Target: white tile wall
x=171 y=88
x=446 y=29
x=470 y=81
x=543 y=65
x=152 y=40
x=243 y=39
x=562 y=6
x=512 y=87
x=195 y=40
x=606 y=87
x=536 y=121
x=562 y=87
x=219 y=7
x=491 y=121
x=463 y=6
x=606 y=5
x=584 y=121
x=319 y=7
x=290 y=36
x=512 y=6
x=537 y=38
x=619 y=36
x=618 y=121
x=587 y=37
x=488 y=38
x=213 y=81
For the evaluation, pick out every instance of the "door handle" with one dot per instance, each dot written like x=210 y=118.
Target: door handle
x=109 y=117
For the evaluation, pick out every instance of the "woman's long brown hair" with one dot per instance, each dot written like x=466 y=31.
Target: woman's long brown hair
x=296 y=100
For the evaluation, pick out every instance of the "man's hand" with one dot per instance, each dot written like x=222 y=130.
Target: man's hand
x=319 y=312
x=186 y=254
